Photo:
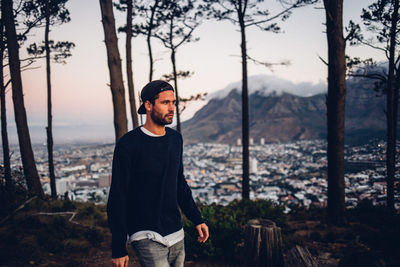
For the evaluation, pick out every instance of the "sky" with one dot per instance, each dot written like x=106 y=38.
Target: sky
x=82 y=97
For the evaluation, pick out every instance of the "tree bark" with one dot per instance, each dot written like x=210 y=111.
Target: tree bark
x=178 y=119
x=49 y=128
x=4 y=134
x=173 y=60
x=28 y=160
x=335 y=110
x=151 y=25
x=245 y=107
x=114 y=66
x=391 y=113
x=263 y=244
x=129 y=72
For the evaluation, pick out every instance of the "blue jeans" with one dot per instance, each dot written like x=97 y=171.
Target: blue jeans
x=154 y=254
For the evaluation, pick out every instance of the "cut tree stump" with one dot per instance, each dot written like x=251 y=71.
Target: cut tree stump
x=263 y=244
x=301 y=257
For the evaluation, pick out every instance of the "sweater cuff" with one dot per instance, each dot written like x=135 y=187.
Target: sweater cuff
x=196 y=220
x=118 y=246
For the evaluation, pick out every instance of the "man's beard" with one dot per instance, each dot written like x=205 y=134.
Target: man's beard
x=159 y=119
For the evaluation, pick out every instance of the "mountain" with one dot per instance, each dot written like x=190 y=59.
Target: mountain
x=281 y=116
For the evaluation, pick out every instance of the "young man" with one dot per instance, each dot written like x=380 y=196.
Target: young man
x=148 y=186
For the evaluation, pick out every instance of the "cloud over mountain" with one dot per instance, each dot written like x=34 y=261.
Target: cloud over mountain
x=269 y=84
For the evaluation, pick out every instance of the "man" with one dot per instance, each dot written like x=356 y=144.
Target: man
x=148 y=186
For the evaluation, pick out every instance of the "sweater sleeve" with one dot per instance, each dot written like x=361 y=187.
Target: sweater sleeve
x=117 y=202
x=185 y=198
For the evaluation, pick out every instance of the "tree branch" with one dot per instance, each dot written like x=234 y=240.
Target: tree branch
x=271 y=18
x=323 y=60
x=267 y=64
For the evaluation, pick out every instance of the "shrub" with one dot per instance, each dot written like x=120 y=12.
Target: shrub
x=86 y=210
x=226 y=225
x=100 y=219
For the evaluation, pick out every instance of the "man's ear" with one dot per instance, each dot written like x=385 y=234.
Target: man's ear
x=148 y=106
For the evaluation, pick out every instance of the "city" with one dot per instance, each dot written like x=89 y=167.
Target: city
x=290 y=174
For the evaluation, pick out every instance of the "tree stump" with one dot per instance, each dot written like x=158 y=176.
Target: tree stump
x=301 y=257
x=263 y=244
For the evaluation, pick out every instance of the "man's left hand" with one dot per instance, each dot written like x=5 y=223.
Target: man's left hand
x=203 y=232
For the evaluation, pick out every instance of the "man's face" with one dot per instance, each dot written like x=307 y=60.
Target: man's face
x=162 y=111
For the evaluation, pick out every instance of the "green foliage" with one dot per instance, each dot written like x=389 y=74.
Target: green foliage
x=92 y=214
x=226 y=225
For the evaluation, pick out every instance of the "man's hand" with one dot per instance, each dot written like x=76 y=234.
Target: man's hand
x=120 y=262
x=203 y=232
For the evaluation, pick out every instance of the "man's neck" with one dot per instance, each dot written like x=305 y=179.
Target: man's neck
x=154 y=128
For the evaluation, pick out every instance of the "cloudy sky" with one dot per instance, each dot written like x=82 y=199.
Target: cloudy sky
x=81 y=95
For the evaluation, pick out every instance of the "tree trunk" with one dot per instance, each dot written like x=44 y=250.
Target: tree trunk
x=263 y=244
x=173 y=60
x=178 y=119
x=4 y=134
x=151 y=25
x=391 y=114
x=28 y=160
x=129 y=71
x=150 y=57
x=114 y=66
x=49 y=128
x=245 y=112
x=335 y=110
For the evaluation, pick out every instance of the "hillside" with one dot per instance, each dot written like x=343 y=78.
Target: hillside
x=279 y=116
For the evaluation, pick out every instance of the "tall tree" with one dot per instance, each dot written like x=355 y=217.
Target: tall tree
x=335 y=109
x=244 y=14
x=392 y=104
x=179 y=18
x=114 y=66
x=127 y=5
x=382 y=20
x=20 y=14
x=52 y=12
x=28 y=160
x=129 y=71
x=4 y=135
x=149 y=11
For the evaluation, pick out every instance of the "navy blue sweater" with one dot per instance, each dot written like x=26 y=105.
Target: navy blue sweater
x=147 y=187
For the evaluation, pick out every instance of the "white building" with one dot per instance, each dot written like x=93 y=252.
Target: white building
x=253 y=165
x=63 y=185
x=239 y=142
